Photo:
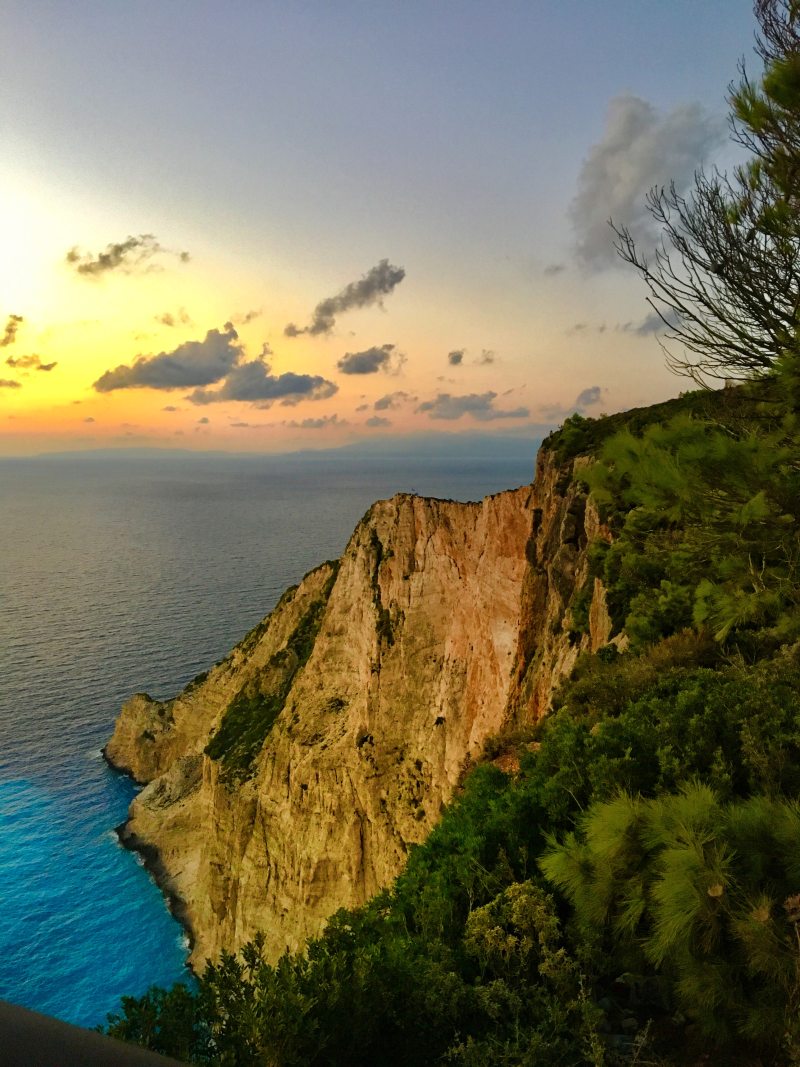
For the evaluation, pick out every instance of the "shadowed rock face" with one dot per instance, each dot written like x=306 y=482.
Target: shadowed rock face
x=443 y=622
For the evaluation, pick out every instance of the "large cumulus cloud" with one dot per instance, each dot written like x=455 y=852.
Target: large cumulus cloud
x=640 y=148
x=194 y=363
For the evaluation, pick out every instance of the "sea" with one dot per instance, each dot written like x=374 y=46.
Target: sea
x=123 y=573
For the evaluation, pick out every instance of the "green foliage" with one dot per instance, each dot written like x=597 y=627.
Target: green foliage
x=702 y=891
x=248 y=719
x=706 y=522
x=465 y=960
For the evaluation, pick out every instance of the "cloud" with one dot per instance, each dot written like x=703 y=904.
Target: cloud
x=371 y=360
x=377 y=420
x=180 y=318
x=7 y=383
x=392 y=400
x=587 y=397
x=169 y=407
x=378 y=282
x=13 y=323
x=486 y=357
x=252 y=382
x=192 y=363
x=456 y=357
x=30 y=363
x=640 y=148
x=244 y=318
x=316 y=424
x=204 y=421
x=651 y=324
x=88 y=419
x=128 y=256
x=479 y=405
x=552 y=269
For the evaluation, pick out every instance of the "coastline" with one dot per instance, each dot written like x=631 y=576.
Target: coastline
x=152 y=863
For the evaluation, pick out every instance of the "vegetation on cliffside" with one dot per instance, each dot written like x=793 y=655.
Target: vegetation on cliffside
x=629 y=893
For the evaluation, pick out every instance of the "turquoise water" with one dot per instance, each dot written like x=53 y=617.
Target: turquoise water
x=118 y=576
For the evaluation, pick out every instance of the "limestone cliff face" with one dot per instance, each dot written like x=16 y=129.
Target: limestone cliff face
x=441 y=623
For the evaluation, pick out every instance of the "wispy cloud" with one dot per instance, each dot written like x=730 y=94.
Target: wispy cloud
x=178 y=318
x=377 y=283
x=479 y=406
x=32 y=362
x=13 y=323
x=133 y=255
x=7 y=383
x=585 y=399
x=640 y=148
x=651 y=324
x=392 y=400
x=316 y=424
x=376 y=421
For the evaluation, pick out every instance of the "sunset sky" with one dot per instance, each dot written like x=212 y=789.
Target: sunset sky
x=267 y=226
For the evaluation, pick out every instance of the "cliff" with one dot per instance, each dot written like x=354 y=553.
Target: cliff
x=291 y=780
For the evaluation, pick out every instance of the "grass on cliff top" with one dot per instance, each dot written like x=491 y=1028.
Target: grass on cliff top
x=250 y=716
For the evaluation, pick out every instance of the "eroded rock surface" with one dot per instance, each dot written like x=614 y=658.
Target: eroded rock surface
x=380 y=677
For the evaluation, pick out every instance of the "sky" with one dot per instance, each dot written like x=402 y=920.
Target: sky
x=260 y=226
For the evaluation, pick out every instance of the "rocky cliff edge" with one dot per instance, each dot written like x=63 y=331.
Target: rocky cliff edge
x=292 y=778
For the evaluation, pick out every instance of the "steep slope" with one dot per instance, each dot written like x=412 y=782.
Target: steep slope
x=292 y=779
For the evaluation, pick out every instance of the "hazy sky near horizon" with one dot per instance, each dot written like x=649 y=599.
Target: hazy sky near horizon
x=255 y=225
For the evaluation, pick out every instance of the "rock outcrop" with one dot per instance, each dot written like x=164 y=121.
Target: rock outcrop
x=339 y=727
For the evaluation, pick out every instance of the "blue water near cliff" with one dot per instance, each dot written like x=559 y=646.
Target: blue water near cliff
x=123 y=575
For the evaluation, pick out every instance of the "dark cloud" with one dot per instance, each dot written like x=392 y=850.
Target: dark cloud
x=363 y=407
x=180 y=318
x=7 y=383
x=640 y=148
x=392 y=400
x=650 y=324
x=376 y=283
x=30 y=363
x=479 y=405
x=204 y=421
x=552 y=269
x=370 y=361
x=377 y=420
x=13 y=323
x=192 y=363
x=316 y=424
x=456 y=357
x=128 y=256
x=587 y=397
x=169 y=407
x=252 y=382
